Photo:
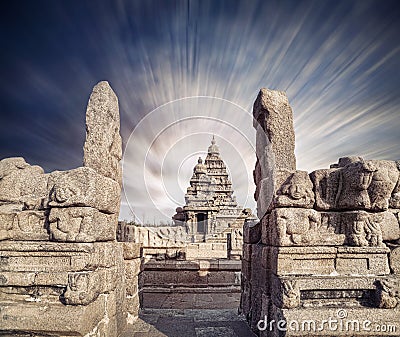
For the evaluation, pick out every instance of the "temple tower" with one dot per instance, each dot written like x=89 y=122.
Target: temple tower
x=211 y=208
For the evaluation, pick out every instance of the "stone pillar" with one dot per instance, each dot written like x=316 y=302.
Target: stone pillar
x=103 y=146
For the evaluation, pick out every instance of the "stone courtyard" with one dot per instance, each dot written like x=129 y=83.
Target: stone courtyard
x=324 y=250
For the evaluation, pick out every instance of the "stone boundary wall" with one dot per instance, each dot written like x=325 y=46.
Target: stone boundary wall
x=191 y=276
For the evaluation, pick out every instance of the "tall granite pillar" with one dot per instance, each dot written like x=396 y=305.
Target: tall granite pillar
x=323 y=260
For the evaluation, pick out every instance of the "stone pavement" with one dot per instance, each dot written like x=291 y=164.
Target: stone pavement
x=189 y=323
x=190 y=314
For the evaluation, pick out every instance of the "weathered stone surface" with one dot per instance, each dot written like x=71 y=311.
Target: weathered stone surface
x=251 y=232
x=21 y=182
x=84 y=187
x=82 y=289
x=302 y=227
x=295 y=191
x=103 y=146
x=303 y=260
x=362 y=261
x=52 y=318
x=131 y=250
x=273 y=113
x=23 y=225
x=395 y=260
x=81 y=224
x=394 y=201
x=265 y=196
x=388 y=293
x=389 y=225
x=286 y=293
x=365 y=184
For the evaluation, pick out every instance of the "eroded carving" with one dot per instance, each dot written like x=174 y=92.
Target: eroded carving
x=84 y=187
x=388 y=293
x=296 y=191
x=81 y=224
x=288 y=296
x=363 y=230
x=302 y=227
x=82 y=288
x=363 y=185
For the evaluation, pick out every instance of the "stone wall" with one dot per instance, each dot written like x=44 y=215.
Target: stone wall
x=174 y=242
x=327 y=245
x=62 y=270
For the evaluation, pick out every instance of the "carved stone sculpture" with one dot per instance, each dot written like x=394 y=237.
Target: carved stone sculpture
x=84 y=187
x=287 y=294
x=82 y=288
x=302 y=227
x=363 y=229
x=388 y=293
x=23 y=225
x=81 y=224
x=363 y=185
x=296 y=191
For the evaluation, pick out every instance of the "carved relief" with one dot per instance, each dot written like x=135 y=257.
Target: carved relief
x=84 y=187
x=363 y=184
x=81 y=224
x=288 y=295
x=302 y=227
x=296 y=191
x=23 y=225
x=363 y=230
x=388 y=293
x=82 y=288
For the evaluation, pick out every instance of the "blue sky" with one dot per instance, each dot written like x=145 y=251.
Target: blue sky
x=338 y=61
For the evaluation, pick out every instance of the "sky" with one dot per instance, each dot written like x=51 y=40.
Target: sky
x=187 y=70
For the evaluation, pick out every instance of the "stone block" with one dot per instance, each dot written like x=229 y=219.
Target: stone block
x=221 y=278
x=52 y=318
x=21 y=182
x=24 y=225
x=132 y=268
x=157 y=278
x=362 y=261
x=303 y=260
x=81 y=224
x=131 y=250
x=84 y=187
